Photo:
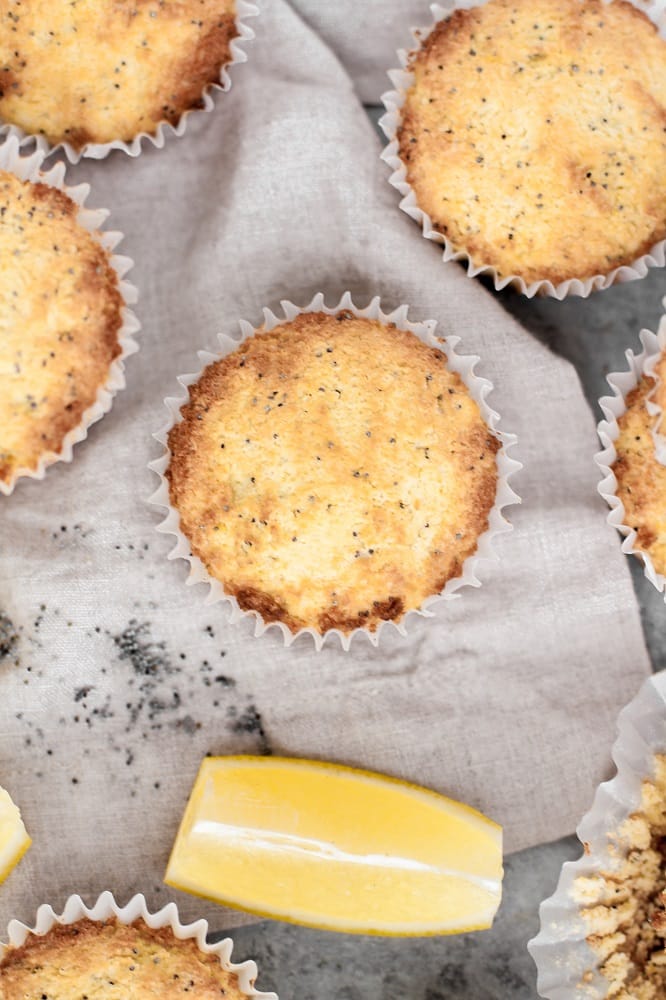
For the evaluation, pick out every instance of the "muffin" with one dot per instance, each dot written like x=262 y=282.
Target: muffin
x=603 y=929
x=332 y=473
x=533 y=136
x=641 y=479
x=61 y=312
x=94 y=73
x=109 y=959
x=625 y=907
x=657 y=402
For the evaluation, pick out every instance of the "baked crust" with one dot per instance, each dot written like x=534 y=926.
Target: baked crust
x=95 y=72
x=641 y=479
x=659 y=395
x=60 y=314
x=332 y=473
x=625 y=907
x=534 y=135
x=115 y=961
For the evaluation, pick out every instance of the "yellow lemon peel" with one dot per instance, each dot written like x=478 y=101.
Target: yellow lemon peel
x=336 y=848
x=14 y=839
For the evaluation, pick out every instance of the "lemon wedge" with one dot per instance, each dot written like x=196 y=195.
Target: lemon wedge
x=336 y=848
x=14 y=839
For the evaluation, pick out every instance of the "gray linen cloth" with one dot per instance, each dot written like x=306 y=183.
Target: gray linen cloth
x=366 y=36
x=116 y=679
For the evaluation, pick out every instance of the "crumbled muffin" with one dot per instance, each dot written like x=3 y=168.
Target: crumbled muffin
x=60 y=316
x=625 y=908
x=534 y=135
x=84 y=72
x=113 y=961
x=641 y=479
x=332 y=473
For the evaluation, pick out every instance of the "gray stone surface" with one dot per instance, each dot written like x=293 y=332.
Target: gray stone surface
x=593 y=334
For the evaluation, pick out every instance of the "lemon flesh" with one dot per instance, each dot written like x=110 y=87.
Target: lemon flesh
x=14 y=840
x=336 y=848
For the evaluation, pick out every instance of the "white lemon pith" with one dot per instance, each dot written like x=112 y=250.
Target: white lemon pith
x=14 y=839
x=336 y=848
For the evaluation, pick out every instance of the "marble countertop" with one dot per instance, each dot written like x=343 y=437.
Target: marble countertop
x=593 y=334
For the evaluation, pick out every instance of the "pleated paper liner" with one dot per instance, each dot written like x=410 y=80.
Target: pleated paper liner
x=478 y=388
x=106 y=908
x=568 y=969
x=613 y=408
x=390 y=122
x=133 y=147
x=29 y=168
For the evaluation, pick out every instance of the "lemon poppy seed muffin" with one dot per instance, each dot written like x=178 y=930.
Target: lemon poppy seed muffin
x=332 y=473
x=60 y=316
x=534 y=135
x=93 y=71
x=113 y=961
x=641 y=479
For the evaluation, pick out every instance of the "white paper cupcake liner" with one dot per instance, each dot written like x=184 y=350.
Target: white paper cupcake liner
x=478 y=388
x=28 y=168
x=100 y=150
x=613 y=407
x=560 y=949
x=106 y=908
x=393 y=101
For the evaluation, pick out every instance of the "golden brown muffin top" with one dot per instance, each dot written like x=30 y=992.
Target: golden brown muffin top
x=332 y=473
x=641 y=479
x=534 y=135
x=60 y=313
x=93 y=71
x=625 y=907
x=91 y=960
